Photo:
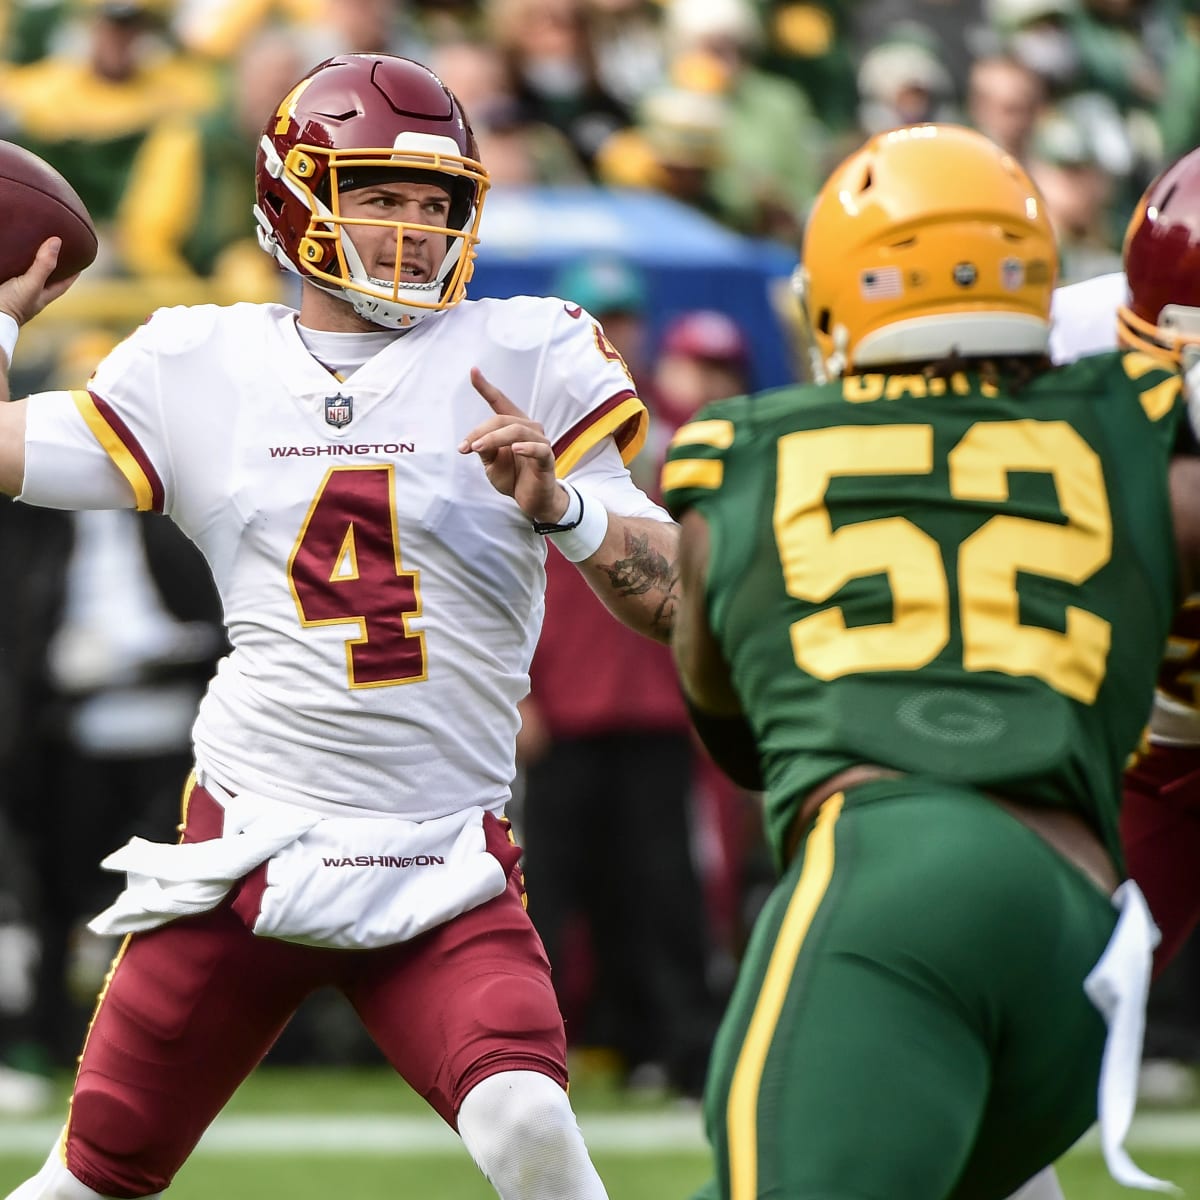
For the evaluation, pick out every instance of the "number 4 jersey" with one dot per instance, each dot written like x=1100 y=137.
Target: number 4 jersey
x=942 y=577
x=382 y=598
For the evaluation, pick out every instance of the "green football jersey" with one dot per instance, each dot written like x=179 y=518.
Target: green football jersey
x=941 y=576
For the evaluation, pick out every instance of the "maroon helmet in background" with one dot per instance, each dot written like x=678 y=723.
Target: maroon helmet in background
x=1162 y=264
x=353 y=120
x=709 y=335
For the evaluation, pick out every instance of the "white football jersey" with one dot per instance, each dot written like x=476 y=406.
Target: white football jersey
x=382 y=599
x=1083 y=317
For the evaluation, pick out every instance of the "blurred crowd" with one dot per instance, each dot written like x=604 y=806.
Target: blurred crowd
x=737 y=108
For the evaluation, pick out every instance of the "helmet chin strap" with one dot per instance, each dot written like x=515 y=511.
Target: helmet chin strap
x=401 y=312
x=431 y=288
x=387 y=313
x=384 y=313
x=838 y=361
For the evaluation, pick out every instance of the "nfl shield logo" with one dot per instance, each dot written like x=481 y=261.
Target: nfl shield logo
x=339 y=410
x=1012 y=274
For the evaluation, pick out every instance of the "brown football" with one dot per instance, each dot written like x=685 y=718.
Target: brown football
x=36 y=202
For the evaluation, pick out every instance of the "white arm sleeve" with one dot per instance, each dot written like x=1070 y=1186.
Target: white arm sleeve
x=65 y=466
x=604 y=475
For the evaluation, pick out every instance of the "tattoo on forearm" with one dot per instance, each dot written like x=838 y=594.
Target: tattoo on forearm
x=642 y=568
x=646 y=570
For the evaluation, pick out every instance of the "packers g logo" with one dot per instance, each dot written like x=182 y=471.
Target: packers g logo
x=951 y=715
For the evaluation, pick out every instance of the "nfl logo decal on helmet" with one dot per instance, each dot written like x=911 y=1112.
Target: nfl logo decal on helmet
x=339 y=410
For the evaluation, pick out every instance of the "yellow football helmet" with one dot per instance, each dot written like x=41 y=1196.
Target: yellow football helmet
x=929 y=240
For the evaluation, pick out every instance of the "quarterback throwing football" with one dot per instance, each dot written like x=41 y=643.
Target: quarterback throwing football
x=375 y=512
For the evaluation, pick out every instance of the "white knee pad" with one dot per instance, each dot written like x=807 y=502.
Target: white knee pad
x=55 y=1182
x=522 y=1134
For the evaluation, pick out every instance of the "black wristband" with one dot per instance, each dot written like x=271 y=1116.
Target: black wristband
x=546 y=527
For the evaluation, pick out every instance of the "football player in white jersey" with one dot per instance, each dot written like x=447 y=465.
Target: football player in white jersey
x=375 y=510
x=1154 y=306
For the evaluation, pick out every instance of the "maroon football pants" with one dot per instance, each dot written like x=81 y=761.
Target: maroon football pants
x=190 y=1008
x=1160 y=831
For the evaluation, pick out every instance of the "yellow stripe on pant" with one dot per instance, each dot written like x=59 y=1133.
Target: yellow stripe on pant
x=741 y=1116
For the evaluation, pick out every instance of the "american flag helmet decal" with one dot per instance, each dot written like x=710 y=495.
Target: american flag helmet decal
x=881 y=283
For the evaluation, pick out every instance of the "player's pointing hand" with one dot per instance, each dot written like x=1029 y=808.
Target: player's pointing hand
x=516 y=454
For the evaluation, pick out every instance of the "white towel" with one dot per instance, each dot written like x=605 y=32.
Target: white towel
x=1118 y=986
x=364 y=882
x=165 y=881
x=346 y=882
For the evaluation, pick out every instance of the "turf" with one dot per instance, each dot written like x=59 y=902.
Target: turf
x=370 y=1098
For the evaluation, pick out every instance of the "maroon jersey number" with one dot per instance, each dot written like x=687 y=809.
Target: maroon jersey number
x=345 y=568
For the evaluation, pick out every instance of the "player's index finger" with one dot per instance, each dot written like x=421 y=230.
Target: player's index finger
x=493 y=395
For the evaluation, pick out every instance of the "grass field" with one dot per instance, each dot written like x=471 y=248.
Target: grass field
x=317 y=1134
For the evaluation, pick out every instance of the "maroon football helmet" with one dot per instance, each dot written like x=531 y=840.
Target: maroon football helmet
x=1162 y=263
x=351 y=118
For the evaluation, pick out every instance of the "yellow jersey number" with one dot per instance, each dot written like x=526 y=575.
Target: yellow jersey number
x=818 y=560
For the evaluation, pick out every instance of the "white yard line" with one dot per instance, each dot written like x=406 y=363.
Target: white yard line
x=378 y=1134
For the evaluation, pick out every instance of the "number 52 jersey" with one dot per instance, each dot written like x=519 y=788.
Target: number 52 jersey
x=382 y=598
x=942 y=577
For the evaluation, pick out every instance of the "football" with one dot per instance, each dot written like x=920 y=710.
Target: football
x=36 y=202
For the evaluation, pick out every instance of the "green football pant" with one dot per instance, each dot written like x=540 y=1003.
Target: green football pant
x=909 y=1022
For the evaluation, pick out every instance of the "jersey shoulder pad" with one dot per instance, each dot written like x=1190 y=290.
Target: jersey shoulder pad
x=1157 y=382
x=180 y=329
x=583 y=391
x=518 y=322
x=178 y=333
x=695 y=462
x=1117 y=378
